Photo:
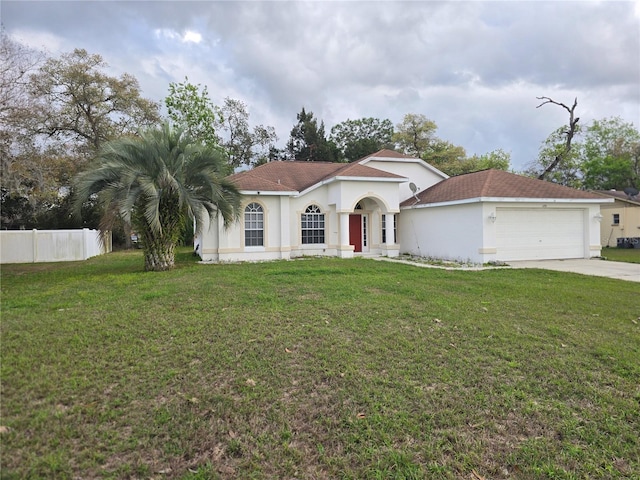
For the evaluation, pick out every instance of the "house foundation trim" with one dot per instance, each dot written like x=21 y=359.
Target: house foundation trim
x=345 y=251
x=390 y=250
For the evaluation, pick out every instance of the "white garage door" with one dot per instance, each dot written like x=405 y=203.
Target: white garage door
x=539 y=234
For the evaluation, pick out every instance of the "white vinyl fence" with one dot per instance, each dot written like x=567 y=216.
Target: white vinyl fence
x=30 y=246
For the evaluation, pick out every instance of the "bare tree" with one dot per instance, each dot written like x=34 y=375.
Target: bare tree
x=570 y=132
x=20 y=174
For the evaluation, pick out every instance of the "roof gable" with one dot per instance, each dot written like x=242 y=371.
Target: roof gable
x=358 y=170
x=386 y=153
x=495 y=184
x=391 y=156
x=285 y=176
x=623 y=197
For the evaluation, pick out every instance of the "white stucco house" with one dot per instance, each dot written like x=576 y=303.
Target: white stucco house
x=389 y=204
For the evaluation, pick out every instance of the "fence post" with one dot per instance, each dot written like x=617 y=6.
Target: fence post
x=85 y=231
x=34 y=245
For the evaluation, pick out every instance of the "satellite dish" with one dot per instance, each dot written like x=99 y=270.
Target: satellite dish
x=631 y=192
x=414 y=189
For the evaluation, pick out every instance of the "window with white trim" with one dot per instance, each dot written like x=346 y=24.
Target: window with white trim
x=395 y=228
x=312 y=223
x=384 y=229
x=254 y=225
x=616 y=219
x=364 y=230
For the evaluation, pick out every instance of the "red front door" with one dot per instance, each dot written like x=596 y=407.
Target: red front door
x=355 y=232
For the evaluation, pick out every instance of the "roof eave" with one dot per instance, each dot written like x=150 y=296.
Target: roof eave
x=289 y=193
x=327 y=181
x=369 y=179
x=507 y=200
x=613 y=197
x=406 y=160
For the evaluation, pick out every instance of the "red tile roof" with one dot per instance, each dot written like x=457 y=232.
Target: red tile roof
x=298 y=176
x=495 y=184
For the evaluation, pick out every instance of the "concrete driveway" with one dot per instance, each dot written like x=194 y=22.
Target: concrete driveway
x=595 y=267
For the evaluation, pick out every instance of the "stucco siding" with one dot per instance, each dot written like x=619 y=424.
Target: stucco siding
x=218 y=243
x=415 y=172
x=628 y=222
x=453 y=232
x=282 y=222
x=346 y=194
x=469 y=232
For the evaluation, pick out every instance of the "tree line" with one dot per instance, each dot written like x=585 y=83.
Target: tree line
x=58 y=113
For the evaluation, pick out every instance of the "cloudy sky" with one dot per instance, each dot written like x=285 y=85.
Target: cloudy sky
x=474 y=67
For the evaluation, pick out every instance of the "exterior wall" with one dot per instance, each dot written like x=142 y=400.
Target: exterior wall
x=282 y=229
x=453 y=232
x=465 y=232
x=282 y=233
x=593 y=248
x=346 y=194
x=220 y=244
x=30 y=246
x=629 y=226
x=414 y=171
x=298 y=205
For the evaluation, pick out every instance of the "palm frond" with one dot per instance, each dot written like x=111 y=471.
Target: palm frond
x=163 y=169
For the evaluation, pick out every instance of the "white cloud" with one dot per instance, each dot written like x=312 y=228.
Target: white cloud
x=162 y=33
x=191 y=36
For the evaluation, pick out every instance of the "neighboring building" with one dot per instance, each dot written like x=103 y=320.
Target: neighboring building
x=389 y=203
x=620 y=219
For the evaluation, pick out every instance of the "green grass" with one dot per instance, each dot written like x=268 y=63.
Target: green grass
x=316 y=368
x=629 y=255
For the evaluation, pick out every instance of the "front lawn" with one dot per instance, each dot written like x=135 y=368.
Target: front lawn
x=316 y=368
x=629 y=255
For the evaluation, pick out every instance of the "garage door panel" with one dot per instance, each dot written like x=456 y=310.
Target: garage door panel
x=537 y=234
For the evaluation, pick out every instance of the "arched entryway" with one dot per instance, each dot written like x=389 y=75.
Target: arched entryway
x=362 y=225
x=365 y=235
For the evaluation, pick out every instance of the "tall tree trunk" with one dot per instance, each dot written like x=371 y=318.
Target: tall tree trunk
x=159 y=256
x=573 y=122
x=159 y=245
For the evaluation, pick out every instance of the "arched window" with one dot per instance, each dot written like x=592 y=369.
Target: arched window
x=254 y=225
x=312 y=223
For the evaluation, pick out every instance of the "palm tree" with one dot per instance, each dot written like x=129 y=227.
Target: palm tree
x=155 y=182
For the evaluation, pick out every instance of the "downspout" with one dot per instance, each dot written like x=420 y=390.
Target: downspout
x=415 y=234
